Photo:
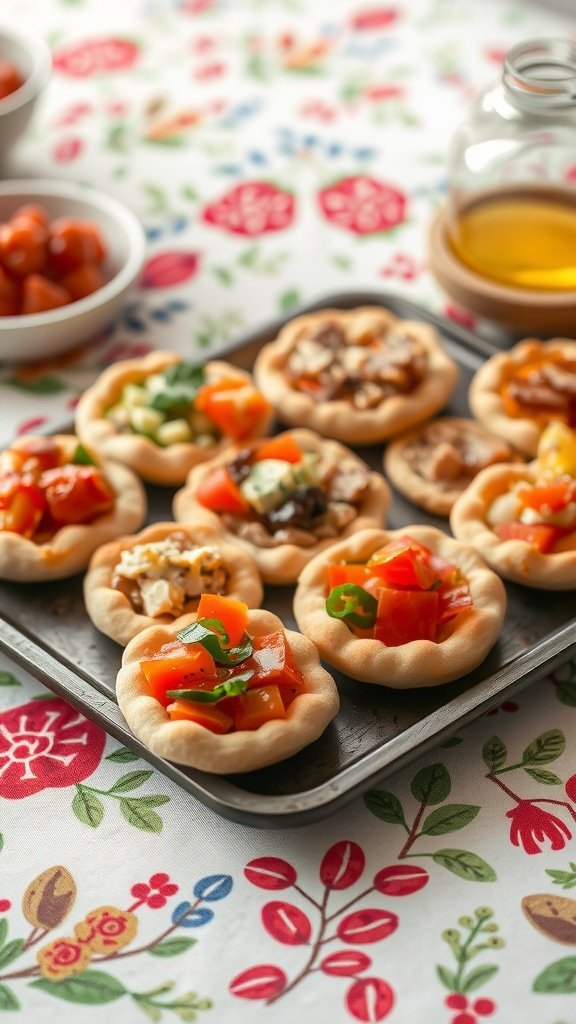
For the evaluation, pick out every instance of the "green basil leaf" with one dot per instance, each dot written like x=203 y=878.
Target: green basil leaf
x=229 y=688
x=198 y=633
x=82 y=457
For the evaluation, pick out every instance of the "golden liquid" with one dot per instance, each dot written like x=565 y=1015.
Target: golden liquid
x=525 y=238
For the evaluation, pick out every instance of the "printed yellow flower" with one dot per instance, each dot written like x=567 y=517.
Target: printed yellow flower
x=107 y=929
x=63 y=957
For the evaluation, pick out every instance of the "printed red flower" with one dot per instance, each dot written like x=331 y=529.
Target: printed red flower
x=570 y=788
x=570 y=175
x=80 y=60
x=46 y=744
x=530 y=826
x=166 y=269
x=508 y=705
x=460 y=316
x=251 y=209
x=155 y=892
x=106 y=929
x=63 y=957
x=363 y=205
x=4 y=906
x=29 y=425
x=67 y=150
x=374 y=18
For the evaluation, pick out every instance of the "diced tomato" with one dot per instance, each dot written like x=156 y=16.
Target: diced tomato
x=258 y=706
x=207 y=715
x=540 y=535
x=272 y=661
x=219 y=492
x=452 y=600
x=73 y=243
x=342 y=573
x=283 y=447
x=235 y=406
x=11 y=78
x=33 y=211
x=83 y=281
x=39 y=294
x=22 y=504
x=76 y=494
x=10 y=291
x=23 y=247
x=32 y=455
x=231 y=613
x=195 y=670
x=406 y=615
x=554 y=496
x=404 y=563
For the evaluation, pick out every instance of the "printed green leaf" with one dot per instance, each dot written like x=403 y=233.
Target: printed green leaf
x=44 y=385
x=559 y=977
x=494 y=754
x=87 y=807
x=138 y=814
x=3 y=930
x=132 y=780
x=11 y=951
x=7 y=679
x=82 y=457
x=224 y=275
x=172 y=947
x=448 y=978
x=8 y=1000
x=249 y=256
x=567 y=879
x=385 y=806
x=566 y=691
x=122 y=756
x=547 y=747
x=153 y=800
x=150 y=1009
x=431 y=785
x=466 y=865
x=541 y=775
x=449 y=818
x=288 y=300
x=92 y=988
x=478 y=977
x=454 y=741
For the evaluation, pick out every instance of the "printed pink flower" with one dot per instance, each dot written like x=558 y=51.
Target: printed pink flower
x=155 y=892
x=95 y=56
x=67 y=150
x=460 y=316
x=530 y=826
x=371 y=18
x=46 y=744
x=166 y=269
x=251 y=209
x=363 y=205
x=4 y=906
x=29 y=425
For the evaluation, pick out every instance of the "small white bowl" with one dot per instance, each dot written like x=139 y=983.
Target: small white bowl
x=32 y=57
x=36 y=336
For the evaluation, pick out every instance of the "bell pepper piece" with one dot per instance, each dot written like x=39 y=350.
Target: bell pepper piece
x=404 y=563
x=273 y=662
x=206 y=715
x=283 y=447
x=258 y=706
x=235 y=406
x=452 y=600
x=540 y=535
x=339 y=574
x=22 y=504
x=231 y=613
x=219 y=493
x=194 y=670
x=553 y=497
x=406 y=615
x=76 y=494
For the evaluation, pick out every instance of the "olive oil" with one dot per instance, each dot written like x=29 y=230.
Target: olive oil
x=524 y=238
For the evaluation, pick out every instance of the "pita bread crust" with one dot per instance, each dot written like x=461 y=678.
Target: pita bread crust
x=70 y=548
x=243 y=751
x=284 y=563
x=112 y=612
x=153 y=463
x=338 y=418
x=427 y=494
x=486 y=401
x=515 y=560
x=464 y=641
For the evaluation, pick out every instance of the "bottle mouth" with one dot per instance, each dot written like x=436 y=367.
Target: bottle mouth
x=542 y=73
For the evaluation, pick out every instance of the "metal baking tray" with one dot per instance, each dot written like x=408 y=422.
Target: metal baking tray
x=378 y=730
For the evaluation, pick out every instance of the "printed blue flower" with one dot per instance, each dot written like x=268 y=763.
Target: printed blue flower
x=184 y=916
x=213 y=887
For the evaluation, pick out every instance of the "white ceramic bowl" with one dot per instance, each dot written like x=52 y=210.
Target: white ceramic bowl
x=42 y=335
x=32 y=57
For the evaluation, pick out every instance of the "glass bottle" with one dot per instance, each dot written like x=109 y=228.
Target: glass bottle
x=511 y=214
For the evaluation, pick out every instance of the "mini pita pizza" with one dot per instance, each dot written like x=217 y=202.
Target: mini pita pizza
x=401 y=608
x=360 y=376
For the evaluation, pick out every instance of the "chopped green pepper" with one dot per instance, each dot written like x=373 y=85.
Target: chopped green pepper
x=212 y=635
x=353 y=604
x=229 y=688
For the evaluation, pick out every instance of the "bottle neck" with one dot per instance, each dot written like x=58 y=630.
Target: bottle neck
x=540 y=75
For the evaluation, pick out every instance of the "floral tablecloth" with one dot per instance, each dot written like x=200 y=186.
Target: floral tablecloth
x=276 y=151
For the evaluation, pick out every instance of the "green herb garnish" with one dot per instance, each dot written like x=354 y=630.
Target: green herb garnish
x=229 y=688
x=82 y=457
x=213 y=640
x=353 y=604
x=182 y=383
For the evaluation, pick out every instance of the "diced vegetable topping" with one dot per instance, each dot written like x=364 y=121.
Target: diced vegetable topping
x=163 y=576
x=179 y=406
x=42 y=490
x=219 y=677
x=404 y=592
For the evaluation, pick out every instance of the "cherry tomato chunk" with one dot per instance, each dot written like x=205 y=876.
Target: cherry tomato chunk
x=76 y=494
x=40 y=294
x=11 y=78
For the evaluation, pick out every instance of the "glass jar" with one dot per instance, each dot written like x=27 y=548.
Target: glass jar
x=511 y=214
